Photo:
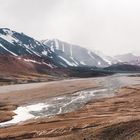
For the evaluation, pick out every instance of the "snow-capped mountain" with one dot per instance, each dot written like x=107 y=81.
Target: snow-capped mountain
x=79 y=55
x=129 y=57
x=23 y=46
x=109 y=59
x=53 y=53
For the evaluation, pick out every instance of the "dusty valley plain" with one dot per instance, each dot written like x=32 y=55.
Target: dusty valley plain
x=112 y=115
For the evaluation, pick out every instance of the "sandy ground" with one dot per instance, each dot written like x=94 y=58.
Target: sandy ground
x=12 y=96
x=114 y=118
x=29 y=93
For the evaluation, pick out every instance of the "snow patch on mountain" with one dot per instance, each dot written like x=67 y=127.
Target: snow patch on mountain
x=33 y=61
x=8 y=50
x=90 y=54
x=79 y=55
x=109 y=59
x=44 y=52
x=56 y=44
x=82 y=63
x=99 y=63
x=9 y=38
x=67 y=62
x=55 y=52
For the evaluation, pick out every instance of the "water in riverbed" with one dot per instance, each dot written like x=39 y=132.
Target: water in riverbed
x=53 y=106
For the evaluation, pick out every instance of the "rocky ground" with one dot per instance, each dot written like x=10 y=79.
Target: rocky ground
x=114 y=118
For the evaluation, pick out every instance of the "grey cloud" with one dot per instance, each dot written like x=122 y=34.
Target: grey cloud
x=111 y=26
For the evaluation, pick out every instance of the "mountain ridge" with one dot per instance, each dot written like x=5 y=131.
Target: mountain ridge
x=19 y=44
x=44 y=56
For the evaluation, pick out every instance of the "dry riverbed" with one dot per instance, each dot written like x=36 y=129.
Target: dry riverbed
x=12 y=96
x=112 y=118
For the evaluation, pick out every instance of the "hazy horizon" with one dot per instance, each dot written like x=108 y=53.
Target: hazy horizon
x=111 y=27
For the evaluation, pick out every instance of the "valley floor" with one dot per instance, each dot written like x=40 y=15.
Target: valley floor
x=6 y=79
x=113 y=118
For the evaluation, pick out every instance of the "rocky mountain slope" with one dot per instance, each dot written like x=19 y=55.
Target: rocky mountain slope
x=52 y=53
x=24 y=59
x=21 y=46
x=81 y=56
x=129 y=58
x=20 y=53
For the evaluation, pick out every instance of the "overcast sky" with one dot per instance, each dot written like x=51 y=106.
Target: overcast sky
x=110 y=26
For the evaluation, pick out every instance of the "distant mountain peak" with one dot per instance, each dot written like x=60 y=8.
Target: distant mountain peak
x=55 y=52
x=51 y=52
x=78 y=54
x=6 y=31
